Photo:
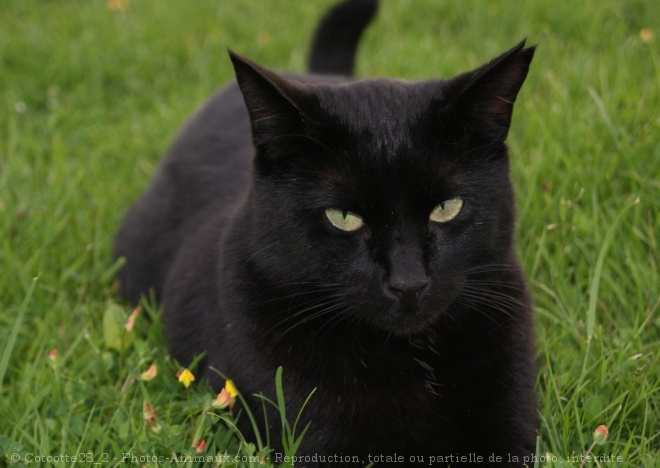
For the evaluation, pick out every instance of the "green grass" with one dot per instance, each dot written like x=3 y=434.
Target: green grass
x=89 y=99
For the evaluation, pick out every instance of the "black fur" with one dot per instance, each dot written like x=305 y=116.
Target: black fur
x=334 y=44
x=416 y=335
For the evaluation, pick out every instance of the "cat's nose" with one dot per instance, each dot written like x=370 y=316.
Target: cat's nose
x=409 y=291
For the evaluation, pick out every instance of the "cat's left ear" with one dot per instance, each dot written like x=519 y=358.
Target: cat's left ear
x=276 y=105
x=487 y=94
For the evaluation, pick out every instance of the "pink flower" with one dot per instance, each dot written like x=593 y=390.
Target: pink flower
x=223 y=400
x=646 y=35
x=226 y=397
x=150 y=373
x=52 y=355
x=148 y=414
x=130 y=323
x=116 y=5
x=600 y=434
x=199 y=445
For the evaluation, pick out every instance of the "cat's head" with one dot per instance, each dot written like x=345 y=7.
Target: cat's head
x=377 y=201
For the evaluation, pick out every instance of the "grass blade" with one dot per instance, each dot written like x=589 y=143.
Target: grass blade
x=598 y=269
x=11 y=341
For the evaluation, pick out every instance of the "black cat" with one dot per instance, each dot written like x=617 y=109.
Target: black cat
x=358 y=233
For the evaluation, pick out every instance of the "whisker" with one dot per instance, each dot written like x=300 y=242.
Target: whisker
x=490 y=268
x=346 y=313
x=488 y=300
x=507 y=308
x=326 y=307
x=299 y=293
x=491 y=293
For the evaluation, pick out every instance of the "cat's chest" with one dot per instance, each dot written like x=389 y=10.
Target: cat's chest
x=355 y=370
x=371 y=413
x=362 y=386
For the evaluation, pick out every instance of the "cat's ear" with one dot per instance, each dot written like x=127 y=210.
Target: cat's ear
x=487 y=94
x=276 y=105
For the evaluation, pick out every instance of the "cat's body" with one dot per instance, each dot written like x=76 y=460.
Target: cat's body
x=416 y=333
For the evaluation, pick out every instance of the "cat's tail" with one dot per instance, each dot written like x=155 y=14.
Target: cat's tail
x=337 y=37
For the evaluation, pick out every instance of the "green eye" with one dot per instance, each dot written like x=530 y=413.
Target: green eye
x=344 y=220
x=447 y=210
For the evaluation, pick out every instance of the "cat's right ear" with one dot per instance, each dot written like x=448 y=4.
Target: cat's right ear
x=276 y=105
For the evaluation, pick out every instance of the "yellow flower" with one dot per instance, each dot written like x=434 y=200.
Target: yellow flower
x=231 y=388
x=150 y=373
x=186 y=377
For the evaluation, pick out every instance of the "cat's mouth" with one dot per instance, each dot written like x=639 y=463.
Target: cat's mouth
x=406 y=319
